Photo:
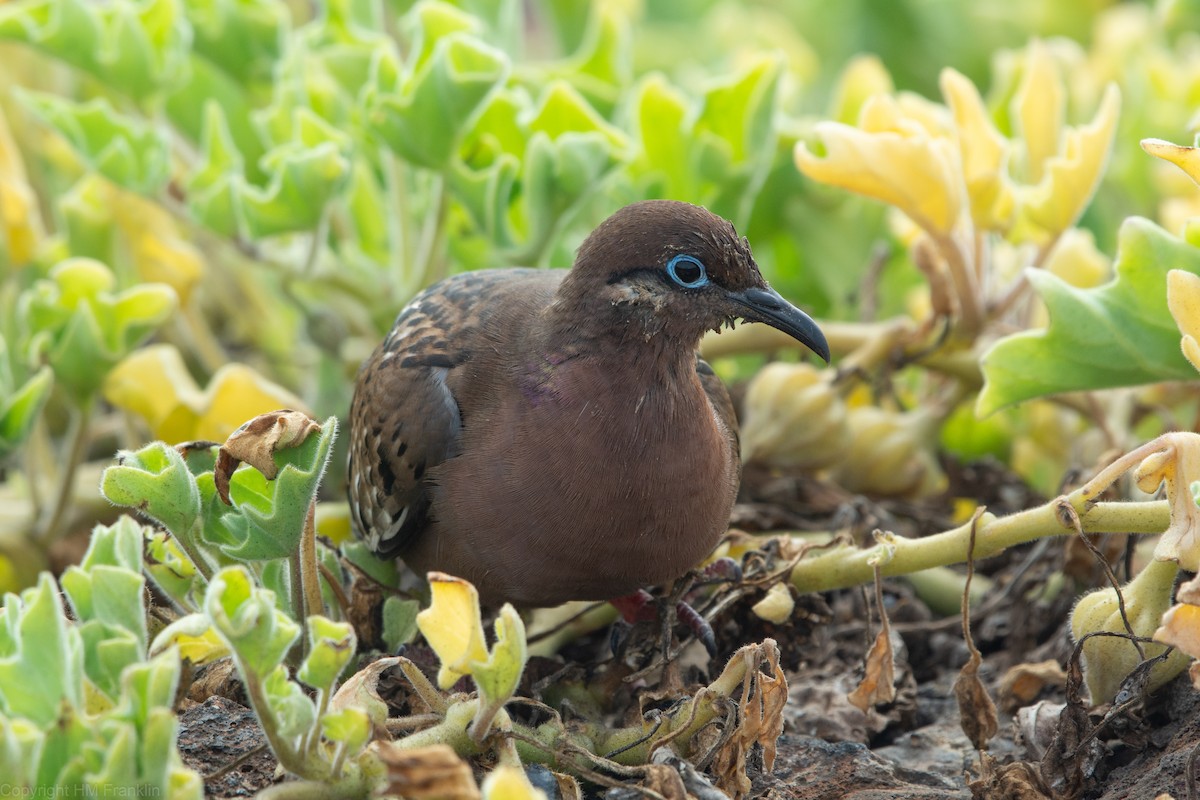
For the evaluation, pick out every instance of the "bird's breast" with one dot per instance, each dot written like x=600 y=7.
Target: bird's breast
x=587 y=485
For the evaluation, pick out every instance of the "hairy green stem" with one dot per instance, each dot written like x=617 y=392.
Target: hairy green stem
x=847 y=566
x=288 y=757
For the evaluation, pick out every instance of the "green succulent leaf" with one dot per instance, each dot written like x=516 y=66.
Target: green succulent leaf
x=155 y=480
x=294 y=712
x=350 y=726
x=243 y=38
x=331 y=647
x=271 y=514
x=422 y=114
x=1118 y=334
x=21 y=746
x=249 y=621
x=498 y=677
x=139 y=48
x=77 y=322
x=302 y=182
x=125 y=150
x=20 y=407
x=399 y=621
x=169 y=567
x=41 y=655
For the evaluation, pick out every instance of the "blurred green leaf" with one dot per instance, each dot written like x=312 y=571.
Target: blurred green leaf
x=129 y=152
x=138 y=47
x=75 y=321
x=1118 y=334
x=420 y=112
x=20 y=405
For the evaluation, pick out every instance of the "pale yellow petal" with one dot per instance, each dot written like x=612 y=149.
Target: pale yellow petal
x=863 y=78
x=1078 y=261
x=154 y=384
x=776 y=606
x=21 y=228
x=1055 y=204
x=916 y=175
x=453 y=627
x=1183 y=299
x=1186 y=158
x=983 y=152
x=235 y=394
x=1038 y=107
x=508 y=782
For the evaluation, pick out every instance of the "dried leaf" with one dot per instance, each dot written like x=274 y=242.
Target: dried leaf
x=360 y=690
x=1037 y=724
x=1018 y=781
x=879 y=678
x=427 y=772
x=975 y=706
x=760 y=721
x=1022 y=683
x=664 y=780
x=878 y=684
x=256 y=442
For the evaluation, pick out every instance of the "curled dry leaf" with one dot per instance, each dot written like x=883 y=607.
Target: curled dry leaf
x=760 y=720
x=1017 y=781
x=976 y=710
x=1022 y=683
x=427 y=772
x=1037 y=724
x=256 y=443
x=361 y=690
x=879 y=682
x=879 y=679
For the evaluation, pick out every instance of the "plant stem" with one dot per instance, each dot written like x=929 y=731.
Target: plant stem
x=310 y=578
x=296 y=581
x=846 y=566
x=288 y=758
x=77 y=437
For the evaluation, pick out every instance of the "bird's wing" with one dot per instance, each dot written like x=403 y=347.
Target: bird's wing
x=405 y=417
x=718 y=395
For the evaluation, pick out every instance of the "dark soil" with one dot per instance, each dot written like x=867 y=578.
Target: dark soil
x=913 y=747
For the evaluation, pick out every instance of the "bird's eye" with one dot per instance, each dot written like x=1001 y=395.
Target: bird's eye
x=687 y=271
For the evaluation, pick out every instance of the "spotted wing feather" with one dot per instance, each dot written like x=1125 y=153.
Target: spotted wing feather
x=405 y=417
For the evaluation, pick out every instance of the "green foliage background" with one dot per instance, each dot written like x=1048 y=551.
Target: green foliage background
x=210 y=209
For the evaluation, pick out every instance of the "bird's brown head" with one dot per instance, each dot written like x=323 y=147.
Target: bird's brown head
x=675 y=270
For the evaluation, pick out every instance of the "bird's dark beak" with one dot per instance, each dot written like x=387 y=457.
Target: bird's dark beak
x=767 y=305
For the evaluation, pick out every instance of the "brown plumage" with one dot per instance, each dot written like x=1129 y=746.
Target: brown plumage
x=553 y=435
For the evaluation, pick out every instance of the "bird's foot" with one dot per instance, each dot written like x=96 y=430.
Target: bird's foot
x=642 y=607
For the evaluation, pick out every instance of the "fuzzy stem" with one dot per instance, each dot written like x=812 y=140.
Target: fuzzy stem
x=310 y=578
x=844 y=567
x=288 y=757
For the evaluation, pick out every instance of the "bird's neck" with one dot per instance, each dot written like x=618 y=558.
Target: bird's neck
x=630 y=337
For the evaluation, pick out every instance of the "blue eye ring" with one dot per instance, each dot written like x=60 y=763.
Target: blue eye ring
x=687 y=271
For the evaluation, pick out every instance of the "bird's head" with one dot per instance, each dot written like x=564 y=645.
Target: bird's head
x=671 y=269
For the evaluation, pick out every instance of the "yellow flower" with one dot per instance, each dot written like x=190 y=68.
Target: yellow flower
x=155 y=384
x=891 y=156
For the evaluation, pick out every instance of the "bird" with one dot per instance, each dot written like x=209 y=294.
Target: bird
x=553 y=435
